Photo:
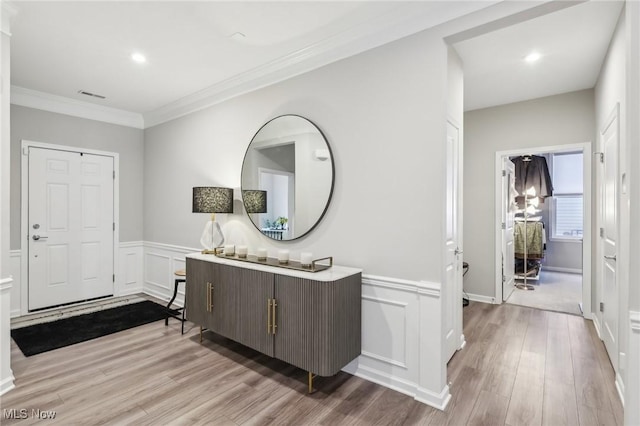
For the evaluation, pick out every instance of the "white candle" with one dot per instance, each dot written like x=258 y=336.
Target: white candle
x=229 y=250
x=306 y=258
x=262 y=254
x=242 y=251
x=283 y=256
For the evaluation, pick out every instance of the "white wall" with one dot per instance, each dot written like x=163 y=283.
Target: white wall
x=554 y=120
x=381 y=111
x=610 y=91
x=43 y=126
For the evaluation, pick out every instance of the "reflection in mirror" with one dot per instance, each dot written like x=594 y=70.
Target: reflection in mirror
x=288 y=166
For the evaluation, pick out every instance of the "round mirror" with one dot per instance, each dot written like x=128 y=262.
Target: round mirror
x=287 y=177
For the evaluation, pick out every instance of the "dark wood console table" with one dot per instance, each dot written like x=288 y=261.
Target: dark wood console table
x=309 y=320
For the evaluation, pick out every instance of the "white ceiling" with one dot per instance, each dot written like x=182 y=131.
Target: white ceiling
x=573 y=43
x=61 y=47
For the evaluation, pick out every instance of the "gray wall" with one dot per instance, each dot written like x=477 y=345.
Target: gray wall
x=383 y=113
x=42 y=126
x=554 y=120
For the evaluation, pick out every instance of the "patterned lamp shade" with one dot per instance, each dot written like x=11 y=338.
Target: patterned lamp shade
x=208 y=199
x=255 y=201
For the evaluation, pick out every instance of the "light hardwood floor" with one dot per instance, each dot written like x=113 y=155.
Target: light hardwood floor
x=520 y=366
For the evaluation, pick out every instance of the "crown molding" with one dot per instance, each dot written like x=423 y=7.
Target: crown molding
x=385 y=29
x=62 y=105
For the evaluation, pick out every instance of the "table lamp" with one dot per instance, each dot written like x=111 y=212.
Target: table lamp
x=208 y=199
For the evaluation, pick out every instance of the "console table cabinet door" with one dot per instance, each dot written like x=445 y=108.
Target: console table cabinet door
x=199 y=274
x=319 y=323
x=255 y=289
x=295 y=341
x=224 y=316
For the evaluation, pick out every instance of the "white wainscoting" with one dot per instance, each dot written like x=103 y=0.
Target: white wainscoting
x=6 y=374
x=130 y=278
x=160 y=263
x=393 y=332
x=16 y=290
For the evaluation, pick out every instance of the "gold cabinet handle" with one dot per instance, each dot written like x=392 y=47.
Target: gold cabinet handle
x=273 y=316
x=210 y=297
x=268 y=316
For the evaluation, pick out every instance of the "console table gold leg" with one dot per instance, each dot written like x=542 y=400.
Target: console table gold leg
x=311 y=376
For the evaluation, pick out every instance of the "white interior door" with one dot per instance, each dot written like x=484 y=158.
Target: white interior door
x=452 y=286
x=508 y=219
x=609 y=293
x=71 y=227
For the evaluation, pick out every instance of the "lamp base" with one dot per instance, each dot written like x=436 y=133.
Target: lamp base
x=217 y=250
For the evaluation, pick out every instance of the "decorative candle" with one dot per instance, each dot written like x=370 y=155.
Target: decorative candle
x=229 y=250
x=262 y=254
x=283 y=256
x=242 y=251
x=306 y=258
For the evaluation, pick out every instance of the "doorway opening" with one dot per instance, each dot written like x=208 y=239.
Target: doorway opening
x=543 y=241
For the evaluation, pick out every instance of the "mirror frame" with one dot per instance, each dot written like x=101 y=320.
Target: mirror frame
x=333 y=177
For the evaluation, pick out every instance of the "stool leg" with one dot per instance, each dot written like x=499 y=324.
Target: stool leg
x=184 y=308
x=175 y=292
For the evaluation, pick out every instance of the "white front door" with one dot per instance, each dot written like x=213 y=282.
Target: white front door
x=508 y=220
x=70 y=222
x=452 y=286
x=609 y=293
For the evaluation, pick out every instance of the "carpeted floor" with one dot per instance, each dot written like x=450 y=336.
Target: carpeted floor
x=555 y=291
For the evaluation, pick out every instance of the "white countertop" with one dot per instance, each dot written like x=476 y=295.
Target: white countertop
x=332 y=274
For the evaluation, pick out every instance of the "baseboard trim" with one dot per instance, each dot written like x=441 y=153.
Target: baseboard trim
x=7 y=384
x=480 y=298
x=596 y=325
x=406 y=387
x=561 y=269
x=620 y=388
x=439 y=401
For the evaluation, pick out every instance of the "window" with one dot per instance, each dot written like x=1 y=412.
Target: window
x=567 y=210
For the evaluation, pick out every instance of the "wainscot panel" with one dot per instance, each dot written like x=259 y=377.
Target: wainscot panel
x=160 y=263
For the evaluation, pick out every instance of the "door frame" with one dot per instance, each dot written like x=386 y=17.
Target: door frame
x=24 y=212
x=587 y=206
x=457 y=292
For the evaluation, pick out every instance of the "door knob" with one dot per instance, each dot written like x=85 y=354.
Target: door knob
x=38 y=237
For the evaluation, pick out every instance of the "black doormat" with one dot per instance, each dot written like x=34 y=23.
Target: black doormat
x=39 y=338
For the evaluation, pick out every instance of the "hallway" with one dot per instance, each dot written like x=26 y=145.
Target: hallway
x=534 y=367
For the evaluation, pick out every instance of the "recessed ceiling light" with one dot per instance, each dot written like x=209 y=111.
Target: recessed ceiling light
x=138 y=57
x=532 y=57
